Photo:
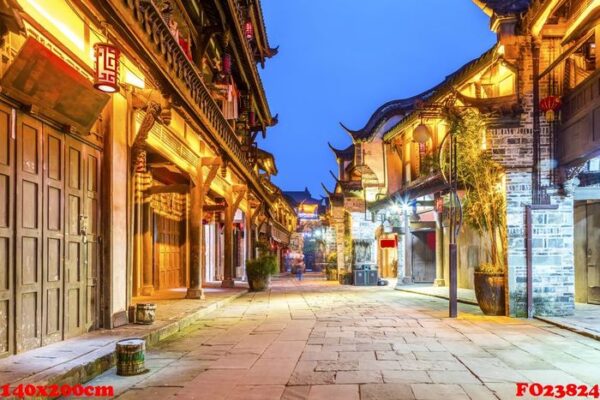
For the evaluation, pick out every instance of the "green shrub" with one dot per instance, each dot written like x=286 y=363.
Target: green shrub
x=262 y=267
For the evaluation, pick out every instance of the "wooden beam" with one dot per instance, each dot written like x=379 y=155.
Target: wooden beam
x=177 y=188
x=214 y=207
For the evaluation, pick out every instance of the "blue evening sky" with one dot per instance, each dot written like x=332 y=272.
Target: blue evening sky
x=340 y=60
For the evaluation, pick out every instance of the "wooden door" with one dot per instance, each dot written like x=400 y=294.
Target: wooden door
x=7 y=230
x=52 y=235
x=167 y=256
x=593 y=252
x=423 y=257
x=92 y=244
x=75 y=228
x=28 y=257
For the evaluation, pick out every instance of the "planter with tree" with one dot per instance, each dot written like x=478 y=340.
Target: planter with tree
x=484 y=205
x=260 y=269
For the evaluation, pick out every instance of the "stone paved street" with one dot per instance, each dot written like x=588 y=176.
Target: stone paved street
x=317 y=340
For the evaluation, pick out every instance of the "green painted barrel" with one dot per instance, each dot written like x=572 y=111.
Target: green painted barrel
x=130 y=357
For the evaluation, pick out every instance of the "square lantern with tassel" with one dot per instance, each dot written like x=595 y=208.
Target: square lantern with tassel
x=106 y=78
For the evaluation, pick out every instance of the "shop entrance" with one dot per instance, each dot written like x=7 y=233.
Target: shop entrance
x=49 y=249
x=587 y=252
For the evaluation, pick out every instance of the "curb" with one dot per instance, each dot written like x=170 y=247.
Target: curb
x=89 y=366
x=438 y=296
x=571 y=328
x=561 y=325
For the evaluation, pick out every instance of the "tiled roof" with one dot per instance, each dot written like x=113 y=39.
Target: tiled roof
x=345 y=154
x=384 y=113
x=505 y=7
x=448 y=84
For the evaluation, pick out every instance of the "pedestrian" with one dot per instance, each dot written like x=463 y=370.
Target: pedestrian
x=299 y=271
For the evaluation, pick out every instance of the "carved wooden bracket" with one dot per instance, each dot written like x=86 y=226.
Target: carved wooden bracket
x=239 y=191
x=213 y=163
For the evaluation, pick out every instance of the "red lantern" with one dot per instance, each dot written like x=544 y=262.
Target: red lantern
x=550 y=105
x=251 y=118
x=106 y=78
x=249 y=30
x=227 y=64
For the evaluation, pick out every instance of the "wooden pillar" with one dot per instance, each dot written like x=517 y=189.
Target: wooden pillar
x=147 y=245
x=138 y=250
x=195 y=291
x=228 y=281
x=248 y=234
x=597 y=39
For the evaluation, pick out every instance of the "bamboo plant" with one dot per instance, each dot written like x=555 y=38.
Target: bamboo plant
x=481 y=177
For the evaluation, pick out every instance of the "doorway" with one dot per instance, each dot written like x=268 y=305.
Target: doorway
x=49 y=230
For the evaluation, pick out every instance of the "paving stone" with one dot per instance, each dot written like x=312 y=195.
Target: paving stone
x=388 y=391
x=318 y=356
x=356 y=355
x=256 y=392
x=358 y=377
x=437 y=392
x=350 y=365
x=398 y=346
x=478 y=392
x=453 y=377
x=406 y=377
x=296 y=393
x=334 y=392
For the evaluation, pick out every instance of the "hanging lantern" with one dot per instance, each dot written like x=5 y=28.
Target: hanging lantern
x=550 y=105
x=227 y=64
x=421 y=134
x=249 y=30
x=106 y=78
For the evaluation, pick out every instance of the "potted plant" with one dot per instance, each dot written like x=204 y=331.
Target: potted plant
x=259 y=271
x=484 y=205
x=331 y=269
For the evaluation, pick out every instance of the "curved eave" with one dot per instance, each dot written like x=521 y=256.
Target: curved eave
x=345 y=154
x=383 y=114
x=445 y=88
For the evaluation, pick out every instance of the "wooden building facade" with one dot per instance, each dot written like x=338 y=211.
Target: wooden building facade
x=111 y=192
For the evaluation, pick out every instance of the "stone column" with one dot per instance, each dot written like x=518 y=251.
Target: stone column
x=228 y=245
x=401 y=258
x=196 y=255
x=407 y=279
x=439 y=252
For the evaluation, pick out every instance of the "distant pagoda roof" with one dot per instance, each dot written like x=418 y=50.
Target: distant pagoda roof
x=345 y=154
x=300 y=197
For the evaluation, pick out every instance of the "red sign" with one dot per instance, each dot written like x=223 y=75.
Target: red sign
x=387 y=243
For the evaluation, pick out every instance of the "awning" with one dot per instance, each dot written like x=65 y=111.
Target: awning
x=418 y=188
x=39 y=77
x=279 y=233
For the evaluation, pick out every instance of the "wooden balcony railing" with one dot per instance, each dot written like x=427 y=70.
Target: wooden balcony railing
x=579 y=131
x=157 y=31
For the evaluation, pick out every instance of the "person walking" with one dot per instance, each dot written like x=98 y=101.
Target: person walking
x=299 y=270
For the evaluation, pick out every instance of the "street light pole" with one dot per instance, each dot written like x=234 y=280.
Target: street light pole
x=454 y=226
x=422 y=135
